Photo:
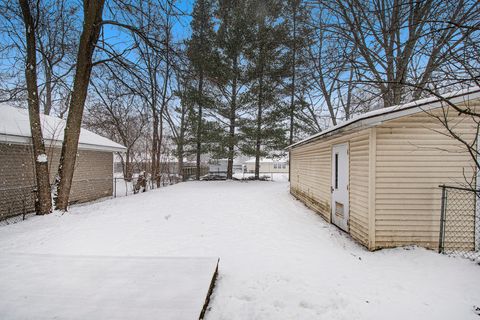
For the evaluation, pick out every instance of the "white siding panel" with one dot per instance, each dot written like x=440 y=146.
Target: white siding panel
x=413 y=159
x=310 y=178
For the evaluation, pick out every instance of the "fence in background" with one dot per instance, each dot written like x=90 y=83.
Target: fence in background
x=190 y=172
x=222 y=175
x=460 y=222
x=17 y=201
x=124 y=187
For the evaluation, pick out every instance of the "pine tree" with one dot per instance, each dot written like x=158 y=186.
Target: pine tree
x=298 y=32
x=200 y=52
x=231 y=40
x=265 y=129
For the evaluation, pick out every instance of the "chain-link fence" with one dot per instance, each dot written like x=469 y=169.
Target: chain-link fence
x=123 y=187
x=17 y=201
x=460 y=222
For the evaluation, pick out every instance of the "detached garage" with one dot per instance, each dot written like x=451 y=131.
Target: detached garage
x=377 y=176
x=93 y=176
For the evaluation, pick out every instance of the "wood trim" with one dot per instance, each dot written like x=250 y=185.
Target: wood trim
x=372 y=159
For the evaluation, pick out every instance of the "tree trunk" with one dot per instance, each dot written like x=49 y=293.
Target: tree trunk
x=259 y=127
x=43 y=201
x=181 y=142
x=48 y=89
x=164 y=99
x=154 y=162
x=294 y=69
x=199 y=125
x=159 y=150
x=180 y=160
x=93 y=11
x=128 y=166
x=233 y=118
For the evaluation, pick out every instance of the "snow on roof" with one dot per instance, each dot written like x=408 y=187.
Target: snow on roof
x=416 y=106
x=15 y=128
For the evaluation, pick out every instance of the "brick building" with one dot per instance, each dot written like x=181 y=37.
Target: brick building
x=93 y=174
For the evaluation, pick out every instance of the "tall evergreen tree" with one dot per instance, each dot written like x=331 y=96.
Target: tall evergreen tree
x=231 y=40
x=298 y=31
x=200 y=52
x=265 y=130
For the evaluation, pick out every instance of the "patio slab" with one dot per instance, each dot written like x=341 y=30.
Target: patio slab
x=34 y=286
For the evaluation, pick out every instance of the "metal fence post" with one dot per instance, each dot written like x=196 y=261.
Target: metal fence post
x=442 y=219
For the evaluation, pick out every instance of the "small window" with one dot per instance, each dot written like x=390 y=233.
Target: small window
x=336 y=170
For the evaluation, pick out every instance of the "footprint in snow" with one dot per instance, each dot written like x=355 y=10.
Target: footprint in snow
x=167 y=217
x=476 y=310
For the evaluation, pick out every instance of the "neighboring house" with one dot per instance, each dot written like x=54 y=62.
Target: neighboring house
x=377 y=176
x=220 y=166
x=93 y=176
x=268 y=165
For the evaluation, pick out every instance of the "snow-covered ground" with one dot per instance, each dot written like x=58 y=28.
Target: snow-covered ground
x=66 y=287
x=278 y=260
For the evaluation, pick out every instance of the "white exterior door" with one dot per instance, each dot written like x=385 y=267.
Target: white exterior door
x=340 y=179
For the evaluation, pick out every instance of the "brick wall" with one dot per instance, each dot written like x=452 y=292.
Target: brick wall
x=92 y=177
x=17 y=179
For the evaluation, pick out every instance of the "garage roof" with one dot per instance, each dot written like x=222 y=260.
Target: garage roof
x=376 y=117
x=15 y=128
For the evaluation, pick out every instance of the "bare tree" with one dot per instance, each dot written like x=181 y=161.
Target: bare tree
x=92 y=24
x=398 y=42
x=117 y=113
x=121 y=12
x=43 y=201
x=57 y=39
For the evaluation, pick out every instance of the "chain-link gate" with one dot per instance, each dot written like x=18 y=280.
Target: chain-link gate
x=460 y=222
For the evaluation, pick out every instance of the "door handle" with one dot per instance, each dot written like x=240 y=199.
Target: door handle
x=331 y=189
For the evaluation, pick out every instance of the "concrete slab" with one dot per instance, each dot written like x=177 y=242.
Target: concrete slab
x=93 y=287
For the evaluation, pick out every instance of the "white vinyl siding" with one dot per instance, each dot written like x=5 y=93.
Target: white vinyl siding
x=413 y=159
x=310 y=179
